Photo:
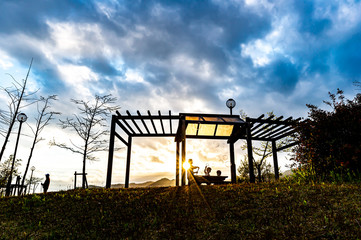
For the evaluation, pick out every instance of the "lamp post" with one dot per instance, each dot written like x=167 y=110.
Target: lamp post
x=21 y=118
x=231 y=104
x=31 y=176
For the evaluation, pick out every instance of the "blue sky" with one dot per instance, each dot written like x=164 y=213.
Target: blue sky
x=184 y=56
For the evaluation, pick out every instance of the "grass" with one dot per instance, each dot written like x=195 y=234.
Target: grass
x=246 y=211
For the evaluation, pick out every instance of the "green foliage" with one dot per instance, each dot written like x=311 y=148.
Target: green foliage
x=242 y=211
x=330 y=140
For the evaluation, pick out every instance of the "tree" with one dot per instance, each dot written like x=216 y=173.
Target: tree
x=265 y=174
x=5 y=169
x=263 y=151
x=42 y=120
x=89 y=125
x=17 y=95
x=330 y=140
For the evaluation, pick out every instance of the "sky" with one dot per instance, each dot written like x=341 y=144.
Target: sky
x=183 y=56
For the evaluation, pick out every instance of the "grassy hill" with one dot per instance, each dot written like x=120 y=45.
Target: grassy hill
x=247 y=211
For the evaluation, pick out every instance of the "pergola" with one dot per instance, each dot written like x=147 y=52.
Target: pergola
x=201 y=126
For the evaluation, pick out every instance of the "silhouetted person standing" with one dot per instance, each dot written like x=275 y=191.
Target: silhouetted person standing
x=46 y=183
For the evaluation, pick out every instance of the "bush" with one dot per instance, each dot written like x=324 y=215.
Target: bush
x=330 y=140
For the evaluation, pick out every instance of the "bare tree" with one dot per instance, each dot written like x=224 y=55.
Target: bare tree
x=89 y=125
x=17 y=95
x=264 y=150
x=42 y=120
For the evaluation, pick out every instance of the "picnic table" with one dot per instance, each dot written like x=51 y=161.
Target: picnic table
x=209 y=179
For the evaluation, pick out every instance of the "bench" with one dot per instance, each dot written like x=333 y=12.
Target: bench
x=210 y=179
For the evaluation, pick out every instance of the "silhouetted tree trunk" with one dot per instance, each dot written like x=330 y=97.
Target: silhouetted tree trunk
x=42 y=120
x=16 y=95
x=89 y=125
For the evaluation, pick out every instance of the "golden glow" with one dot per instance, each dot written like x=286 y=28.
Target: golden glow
x=192 y=129
x=224 y=130
x=206 y=129
x=186 y=165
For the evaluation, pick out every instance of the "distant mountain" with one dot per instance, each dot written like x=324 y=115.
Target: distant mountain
x=164 y=182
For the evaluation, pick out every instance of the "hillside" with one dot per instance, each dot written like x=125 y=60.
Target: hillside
x=247 y=211
x=164 y=182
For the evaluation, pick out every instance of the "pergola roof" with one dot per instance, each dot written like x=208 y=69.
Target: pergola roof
x=212 y=126
x=208 y=126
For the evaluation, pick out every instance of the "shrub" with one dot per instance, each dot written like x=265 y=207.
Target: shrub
x=330 y=140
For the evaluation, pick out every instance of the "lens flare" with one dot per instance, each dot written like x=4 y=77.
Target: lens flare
x=186 y=165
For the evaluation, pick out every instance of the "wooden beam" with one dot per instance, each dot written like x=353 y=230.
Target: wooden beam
x=110 y=153
x=257 y=120
x=288 y=146
x=265 y=127
x=276 y=128
x=177 y=164
x=135 y=124
x=142 y=119
x=233 y=165
x=129 y=127
x=151 y=119
x=252 y=178
x=275 y=160
x=122 y=127
x=127 y=170
x=125 y=122
x=285 y=134
x=183 y=161
x=161 y=122
x=121 y=139
x=170 y=122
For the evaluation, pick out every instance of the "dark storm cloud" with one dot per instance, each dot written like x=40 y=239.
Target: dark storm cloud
x=310 y=23
x=283 y=75
x=173 y=44
x=348 y=57
x=30 y=17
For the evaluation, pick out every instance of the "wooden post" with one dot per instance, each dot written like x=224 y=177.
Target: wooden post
x=75 y=180
x=275 y=160
x=111 y=152
x=128 y=162
x=252 y=178
x=233 y=165
x=177 y=165
x=183 y=160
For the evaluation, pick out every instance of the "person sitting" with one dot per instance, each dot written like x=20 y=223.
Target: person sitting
x=207 y=170
x=219 y=173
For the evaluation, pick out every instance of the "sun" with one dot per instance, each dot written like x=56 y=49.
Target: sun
x=186 y=165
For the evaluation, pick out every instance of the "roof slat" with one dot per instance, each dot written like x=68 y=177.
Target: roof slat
x=265 y=127
x=135 y=124
x=170 y=122
x=145 y=125
x=161 y=122
x=125 y=122
x=151 y=119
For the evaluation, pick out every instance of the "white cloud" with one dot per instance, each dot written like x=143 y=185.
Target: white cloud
x=77 y=77
x=5 y=61
x=278 y=42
